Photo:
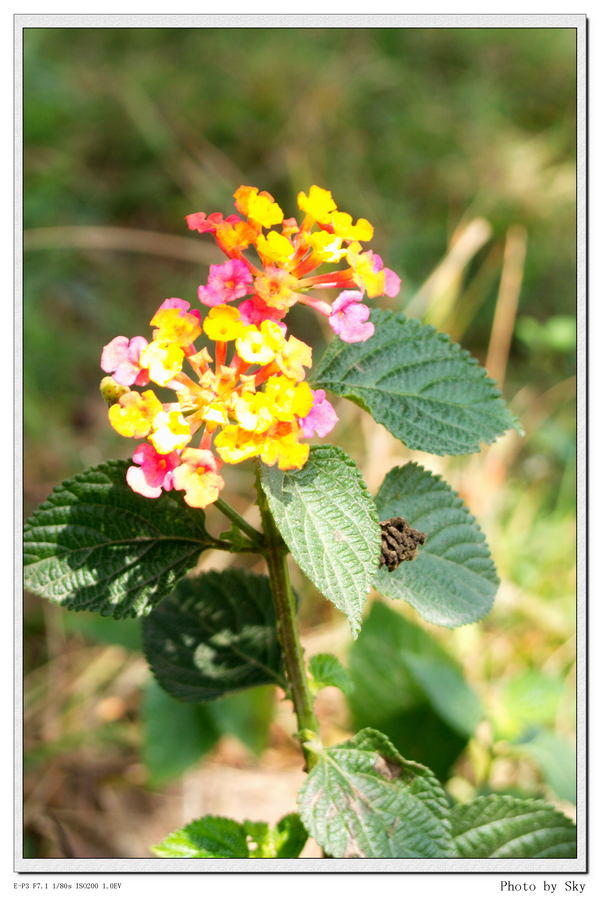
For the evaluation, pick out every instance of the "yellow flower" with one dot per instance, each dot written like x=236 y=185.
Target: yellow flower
x=198 y=477
x=365 y=276
x=254 y=412
x=342 y=223
x=327 y=246
x=263 y=210
x=292 y=358
x=223 y=323
x=173 y=327
x=235 y=444
x=215 y=414
x=319 y=204
x=289 y=400
x=256 y=346
x=281 y=445
x=163 y=361
x=275 y=248
x=133 y=415
x=171 y=432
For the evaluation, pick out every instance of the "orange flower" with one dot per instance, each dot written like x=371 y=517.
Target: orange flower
x=235 y=237
x=276 y=288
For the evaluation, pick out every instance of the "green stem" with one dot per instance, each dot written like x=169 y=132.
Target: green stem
x=275 y=553
x=238 y=520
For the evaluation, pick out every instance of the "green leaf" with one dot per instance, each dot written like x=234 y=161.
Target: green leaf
x=528 y=698
x=216 y=837
x=104 y=630
x=556 y=760
x=245 y=715
x=507 y=828
x=363 y=799
x=212 y=837
x=177 y=734
x=258 y=835
x=215 y=634
x=289 y=837
x=236 y=538
x=328 y=520
x=96 y=545
x=408 y=687
x=326 y=671
x=447 y=691
x=453 y=580
x=424 y=389
x=284 y=841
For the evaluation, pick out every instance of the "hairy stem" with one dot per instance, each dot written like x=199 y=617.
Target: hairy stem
x=275 y=553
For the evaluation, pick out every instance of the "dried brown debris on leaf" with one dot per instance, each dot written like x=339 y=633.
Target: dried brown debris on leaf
x=399 y=542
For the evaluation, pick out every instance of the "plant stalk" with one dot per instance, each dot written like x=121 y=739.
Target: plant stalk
x=238 y=520
x=275 y=553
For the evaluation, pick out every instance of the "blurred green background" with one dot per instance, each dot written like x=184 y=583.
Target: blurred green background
x=458 y=145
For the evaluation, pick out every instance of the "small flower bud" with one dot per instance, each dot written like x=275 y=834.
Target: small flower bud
x=112 y=390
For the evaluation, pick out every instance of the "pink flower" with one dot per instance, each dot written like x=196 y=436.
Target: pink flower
x=122 y=358
x=254 y=311
x=183 y=305
x=155 y=471
x=321 y=418
x=392 y=282
x=225 y=283
x=201 y=222
x=348 y=318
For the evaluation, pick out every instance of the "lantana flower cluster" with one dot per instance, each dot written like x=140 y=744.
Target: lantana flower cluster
x=254 y=401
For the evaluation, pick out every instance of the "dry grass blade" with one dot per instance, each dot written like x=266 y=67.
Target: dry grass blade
x=438 y=294
x=129 y=240
x=506 y=305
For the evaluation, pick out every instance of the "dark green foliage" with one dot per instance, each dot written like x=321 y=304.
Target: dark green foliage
x=96 y=545
x=178 y=734
x=409 y=688
x=214 y=634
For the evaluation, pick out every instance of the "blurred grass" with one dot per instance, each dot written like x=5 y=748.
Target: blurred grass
x=459 y=146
